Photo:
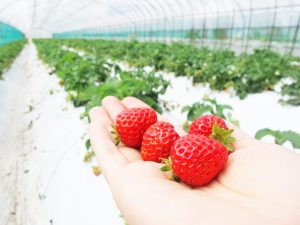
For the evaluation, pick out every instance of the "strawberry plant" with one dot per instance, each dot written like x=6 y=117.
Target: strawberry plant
x=221 y=69
x=280 y=137
x=291 y=89
x=88 y=79
x=208 y=106
x=8 y=53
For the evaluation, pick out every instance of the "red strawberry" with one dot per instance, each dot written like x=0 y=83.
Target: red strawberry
x=157 y=141
x=213 y=127
x=203 y=125
x=132 y=123
x=196 y=160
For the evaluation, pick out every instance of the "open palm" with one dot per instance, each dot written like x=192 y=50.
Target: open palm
x=260 y=184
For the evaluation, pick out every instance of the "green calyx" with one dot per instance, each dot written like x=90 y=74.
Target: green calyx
x=168 y=167
x=223 y=136
x=115 y=135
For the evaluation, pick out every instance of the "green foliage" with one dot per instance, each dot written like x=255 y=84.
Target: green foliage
x=221 y=69
x=292 y=90
x=8 y=53
x=196 y=110
x=209 y=106
x=87 y=144
x=280 y=136
x=90 y=78
x=223 y=136
x=137 y=84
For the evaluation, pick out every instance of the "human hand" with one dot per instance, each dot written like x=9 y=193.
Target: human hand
x=260 y=184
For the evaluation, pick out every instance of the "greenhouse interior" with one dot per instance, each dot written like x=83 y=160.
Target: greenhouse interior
x=79 y=76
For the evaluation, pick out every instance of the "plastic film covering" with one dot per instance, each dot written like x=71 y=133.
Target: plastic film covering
x=9 y=34
x=234 y=24
x=240 y=25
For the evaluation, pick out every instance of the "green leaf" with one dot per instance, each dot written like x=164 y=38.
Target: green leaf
x=223 y=136
x=264 y=132
x=231 y=120
x=165 y=168
x=196 y=110
x=186 y=126
x=292 y=137
x=280 y=136
x=185 y=109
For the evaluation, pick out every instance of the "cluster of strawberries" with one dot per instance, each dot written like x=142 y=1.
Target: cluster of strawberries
x=195 y=158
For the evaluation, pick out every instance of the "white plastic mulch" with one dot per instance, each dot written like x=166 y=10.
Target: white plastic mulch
x=256 y=112
x=43 y=179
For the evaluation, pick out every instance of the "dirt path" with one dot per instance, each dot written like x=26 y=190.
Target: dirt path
x=43 y=179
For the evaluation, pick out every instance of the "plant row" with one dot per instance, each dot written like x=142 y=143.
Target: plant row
x=89 y=79
x=221 y=69
x=8 y=53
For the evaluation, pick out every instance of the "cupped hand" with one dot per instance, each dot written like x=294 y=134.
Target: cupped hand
x=260 y=184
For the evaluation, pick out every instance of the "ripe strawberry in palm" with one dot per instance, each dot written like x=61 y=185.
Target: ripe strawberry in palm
x=157 y=141
x=213 y=127
x=196 y=160
x=203 y=125
x=131 y=125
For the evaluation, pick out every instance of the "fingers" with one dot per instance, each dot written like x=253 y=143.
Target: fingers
x=108 y=156
x=99 y=115
x=131 y=102
x=131 y=154
x=112 y=106
x=243 y=140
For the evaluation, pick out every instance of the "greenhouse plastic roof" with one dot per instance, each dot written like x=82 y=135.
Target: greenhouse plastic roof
x=50 y=16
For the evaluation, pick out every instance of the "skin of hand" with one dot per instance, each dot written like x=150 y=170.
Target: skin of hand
x=260 y=184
